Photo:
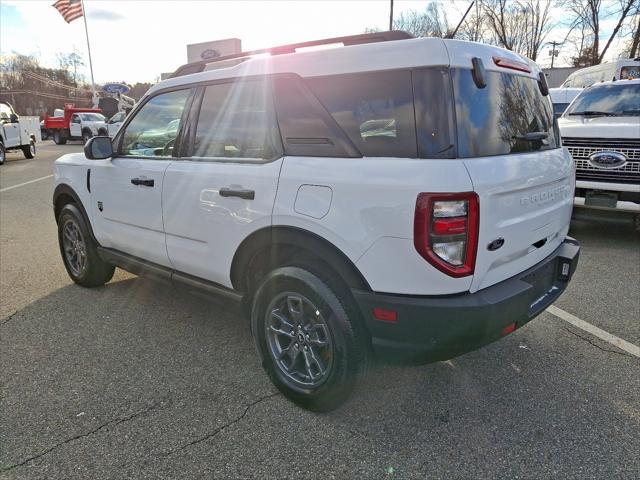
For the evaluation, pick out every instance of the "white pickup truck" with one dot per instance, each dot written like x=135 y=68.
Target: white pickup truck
x=601 y=130
x=17 y=132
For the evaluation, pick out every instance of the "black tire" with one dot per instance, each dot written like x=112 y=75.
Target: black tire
x=86 y=135
x=3 y=153
x=346 y=356
x=29 y=151
x=58 y=138
x=92 y=271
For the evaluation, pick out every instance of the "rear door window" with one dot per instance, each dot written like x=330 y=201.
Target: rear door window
x=509 y=115
x=237 y=120
x=375 y=109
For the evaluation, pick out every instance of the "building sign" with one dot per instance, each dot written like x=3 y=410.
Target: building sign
x=197 y=52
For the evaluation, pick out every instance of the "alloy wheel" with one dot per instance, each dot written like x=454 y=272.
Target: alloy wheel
x=75 y=249
x=299 y=340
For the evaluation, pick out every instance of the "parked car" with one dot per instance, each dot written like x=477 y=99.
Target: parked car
x=356 y=200
x=115 y=122
x=601 y=130
x=17 y=133
x=561 y=98
x=76 y=124
x=620 y=69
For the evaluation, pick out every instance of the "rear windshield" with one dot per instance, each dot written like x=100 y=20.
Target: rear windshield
x=615 y=99
x=509 y=115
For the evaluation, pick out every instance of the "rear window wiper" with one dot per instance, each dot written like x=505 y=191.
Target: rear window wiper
x=532 y=136
x=594 y=113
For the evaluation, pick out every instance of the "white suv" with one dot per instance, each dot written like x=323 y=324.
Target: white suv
x=601 y=130
x=393 y=195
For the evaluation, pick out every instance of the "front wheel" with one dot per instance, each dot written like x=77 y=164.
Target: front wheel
x=79 y=250
x=311 y=348
x=29 y=151
x=3 y=153
x=86 y=135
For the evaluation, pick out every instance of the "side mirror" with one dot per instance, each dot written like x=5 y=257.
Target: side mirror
x=13 y=118
x=98 y=148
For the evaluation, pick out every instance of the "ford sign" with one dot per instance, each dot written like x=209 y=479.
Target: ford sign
x=607 y=160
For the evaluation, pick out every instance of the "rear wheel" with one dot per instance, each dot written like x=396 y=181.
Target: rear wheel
x=3 y=153
x=58 y=138
x=311 y=348
x=79 y=250
x=29 y=151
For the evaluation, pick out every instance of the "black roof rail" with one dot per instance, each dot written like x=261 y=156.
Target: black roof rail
x=374 y=37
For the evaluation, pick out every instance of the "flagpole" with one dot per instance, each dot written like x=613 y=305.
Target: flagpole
x=86 y=31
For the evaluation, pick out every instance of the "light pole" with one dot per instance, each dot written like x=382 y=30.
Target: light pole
x=391 y=16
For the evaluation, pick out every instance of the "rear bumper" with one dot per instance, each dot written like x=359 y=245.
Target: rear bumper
x=442 y=327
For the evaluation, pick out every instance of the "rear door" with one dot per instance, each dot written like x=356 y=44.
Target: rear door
x=225 y=187
x=126 y=190
x=524 y=180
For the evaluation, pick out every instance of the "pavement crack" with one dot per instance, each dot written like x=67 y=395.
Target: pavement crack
x=586 y=339
x=223 y=427
x=110 y=423
x=8 y=319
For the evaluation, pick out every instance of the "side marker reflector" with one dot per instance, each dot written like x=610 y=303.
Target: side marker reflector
x=508 y=329
x=385 y=315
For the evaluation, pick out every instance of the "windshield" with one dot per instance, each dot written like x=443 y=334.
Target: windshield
x=92 y=117
x=612 y=99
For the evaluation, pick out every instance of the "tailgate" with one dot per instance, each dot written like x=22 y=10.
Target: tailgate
x=526 y=200
x=524 y=180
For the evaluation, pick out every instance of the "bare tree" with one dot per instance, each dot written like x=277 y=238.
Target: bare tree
x=588 y=14
x=634 y=50
x=519 y=25
x=431 y=22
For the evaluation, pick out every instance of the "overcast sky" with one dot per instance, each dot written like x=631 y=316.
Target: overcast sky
x=136 y=40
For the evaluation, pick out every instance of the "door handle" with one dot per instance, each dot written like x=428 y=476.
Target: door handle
x=246 y=194
x=143 y=181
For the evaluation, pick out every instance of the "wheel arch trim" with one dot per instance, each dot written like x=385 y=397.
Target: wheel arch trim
x=270 y=237
x=64 y=189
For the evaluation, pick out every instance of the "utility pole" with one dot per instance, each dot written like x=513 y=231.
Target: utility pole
x=391 y=16
x=553 y=52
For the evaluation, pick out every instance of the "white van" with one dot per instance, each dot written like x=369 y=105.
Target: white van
x=394 y=194
x=561 y=98
x=621 y=69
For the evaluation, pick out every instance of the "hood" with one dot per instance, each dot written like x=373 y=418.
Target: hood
x=599 y=127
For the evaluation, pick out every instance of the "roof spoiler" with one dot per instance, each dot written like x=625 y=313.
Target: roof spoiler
x=363 y=38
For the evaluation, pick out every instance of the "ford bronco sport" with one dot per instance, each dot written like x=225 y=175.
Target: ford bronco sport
x=392 y=195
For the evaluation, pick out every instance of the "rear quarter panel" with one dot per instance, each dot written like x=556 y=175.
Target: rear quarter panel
x=370 y=218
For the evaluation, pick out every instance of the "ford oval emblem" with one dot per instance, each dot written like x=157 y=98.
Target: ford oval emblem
x=209 y=54
x=607 y=160
x=496 y=244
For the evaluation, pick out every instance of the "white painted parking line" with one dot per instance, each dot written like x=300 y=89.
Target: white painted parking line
x=23 y=184
x=595 y=331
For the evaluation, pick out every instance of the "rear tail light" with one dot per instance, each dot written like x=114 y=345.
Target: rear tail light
x=446 y=231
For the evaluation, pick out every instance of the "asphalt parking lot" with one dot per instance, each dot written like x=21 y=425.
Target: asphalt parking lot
x=132 y=380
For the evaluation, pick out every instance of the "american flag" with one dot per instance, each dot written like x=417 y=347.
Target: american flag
x=69 y=9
